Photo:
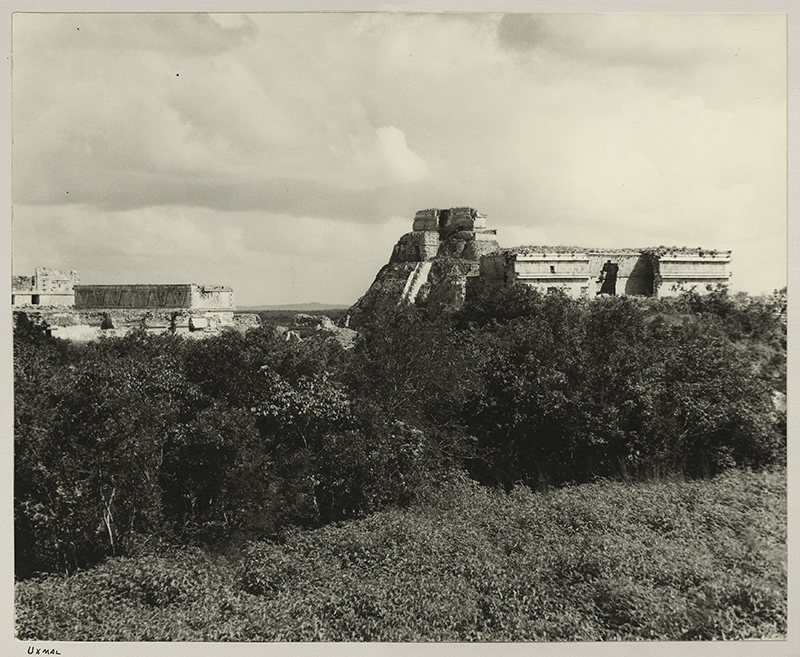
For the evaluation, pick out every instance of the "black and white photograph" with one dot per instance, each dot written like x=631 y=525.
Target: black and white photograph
x=410 y=327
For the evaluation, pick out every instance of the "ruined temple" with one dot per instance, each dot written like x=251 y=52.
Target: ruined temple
x=584 y=272
x=432 y=263
x=47 y=287
x=58 y=301
x=216 y=298
x=447 y=247
x=180 y=306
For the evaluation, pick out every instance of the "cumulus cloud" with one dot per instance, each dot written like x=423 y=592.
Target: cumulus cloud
x=265 y=257
x=399 y=163
x=566 y=128
x=116 y=122
x=193 y=33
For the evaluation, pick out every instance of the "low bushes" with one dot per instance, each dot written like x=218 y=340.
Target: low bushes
x=663 y=560
x=130 y=442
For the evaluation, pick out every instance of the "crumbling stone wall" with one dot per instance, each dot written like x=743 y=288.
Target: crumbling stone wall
x=448 y=221
x=179 y=308
x=153 y=296
x=47 y=287
x=246 y=321
x=211 y=297
x=418 y=246
x=385 y=292
x=450 y=243
x=186 y=309
x=90 y=324
x=54 y=281
x=22 y=284
x=446 y=287
x=580 y=271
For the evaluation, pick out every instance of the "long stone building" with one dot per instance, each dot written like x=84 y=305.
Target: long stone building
x=63 y=304
x=448 y=247
x=215 y=298
x=659 y=272
x=51 y=287
x=192 y=305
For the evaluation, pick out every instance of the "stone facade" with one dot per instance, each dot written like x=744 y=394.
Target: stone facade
x=50 y=287
x=432 y=263
x=69 y=309
x=582 y=272
x=678 y=270
x=47 y=287
x=191 y=296
x=181 y=307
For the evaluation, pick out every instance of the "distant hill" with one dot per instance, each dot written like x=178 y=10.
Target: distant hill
x=298 y=307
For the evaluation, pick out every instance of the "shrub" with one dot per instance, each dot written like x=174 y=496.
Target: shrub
x=155 y=439
x=663 y=560
x=570 y=390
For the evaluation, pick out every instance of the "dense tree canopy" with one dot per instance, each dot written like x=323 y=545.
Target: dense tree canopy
x=126 y=443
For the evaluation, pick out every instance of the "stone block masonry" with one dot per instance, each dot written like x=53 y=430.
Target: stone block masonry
x=47 y=287
x=183 y=307
x=679 y=270
x=77 y=311
x=432 y=263
x=455 y=248
x=587 y=272
x=51 y=287
x=189 y=296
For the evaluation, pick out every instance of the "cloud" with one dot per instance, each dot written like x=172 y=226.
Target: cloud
x=265 y=257
x=524 y=32
x=656 y=40
x=398 y=163
x=569 y=128
x=188 y=33
x=123 y=129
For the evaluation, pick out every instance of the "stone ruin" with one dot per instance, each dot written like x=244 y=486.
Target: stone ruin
x=456 y=233
x=180 y=308
x=585 y=272
x=304 y=326
x=432 y=263
x=47 y=287
x=82 y=312
x=447 y=248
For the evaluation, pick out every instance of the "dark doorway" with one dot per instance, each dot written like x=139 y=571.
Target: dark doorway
x=34 y=299
x=640 y=280
x=608 y=278
x=444 y=217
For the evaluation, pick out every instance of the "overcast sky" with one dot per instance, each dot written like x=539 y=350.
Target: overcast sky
x=285 y=154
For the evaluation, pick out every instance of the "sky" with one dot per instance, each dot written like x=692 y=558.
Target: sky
x=285 y=154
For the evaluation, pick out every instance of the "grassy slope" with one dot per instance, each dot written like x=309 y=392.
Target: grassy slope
x=658 y=560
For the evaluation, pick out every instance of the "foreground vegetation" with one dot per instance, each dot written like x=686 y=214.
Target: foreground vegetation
x=145 y=449
x=604 y=561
